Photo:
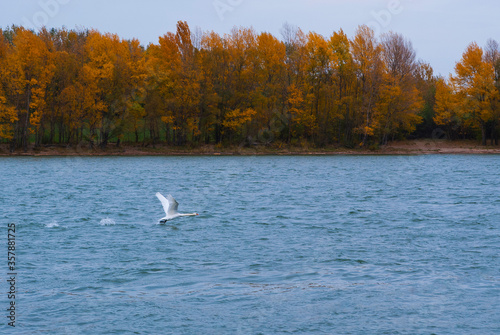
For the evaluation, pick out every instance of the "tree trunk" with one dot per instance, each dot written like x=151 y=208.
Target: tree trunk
x=26 y=123
x=51 y=134
x=104 y=140
x=483 y=133
x=39 y=134
x=494 y=134
x=365 y=136
x=61 y=130
x=13 y=143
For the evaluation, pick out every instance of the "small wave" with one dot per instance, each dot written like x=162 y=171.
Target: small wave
x=52 y=224
x=107 y=222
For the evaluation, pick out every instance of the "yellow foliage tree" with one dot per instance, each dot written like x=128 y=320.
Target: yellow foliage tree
x=178 y=84
x=8 y=115
x=192 y=87
x=269 y=71
x=399 y=102
x=446 y=106
x=475 y=82
x=30 y=68
x=397 y=109
x=303 y=122
x=236 y=119
x=367 y=57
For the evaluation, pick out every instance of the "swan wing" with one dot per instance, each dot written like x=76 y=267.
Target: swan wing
x=164 y=202
x=172 y=210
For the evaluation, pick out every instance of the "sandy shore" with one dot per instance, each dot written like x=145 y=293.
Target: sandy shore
x=416 y=147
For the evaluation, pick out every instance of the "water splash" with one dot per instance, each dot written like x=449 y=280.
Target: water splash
x=52 y=224
x=107 y=222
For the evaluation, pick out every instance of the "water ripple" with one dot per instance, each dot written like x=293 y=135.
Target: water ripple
x=284 y=244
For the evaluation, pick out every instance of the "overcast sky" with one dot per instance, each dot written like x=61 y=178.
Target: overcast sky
x=440 y=30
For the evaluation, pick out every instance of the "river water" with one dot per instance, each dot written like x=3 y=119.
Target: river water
x=302 y=245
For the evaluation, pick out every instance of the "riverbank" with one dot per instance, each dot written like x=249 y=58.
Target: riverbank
x=414 y=147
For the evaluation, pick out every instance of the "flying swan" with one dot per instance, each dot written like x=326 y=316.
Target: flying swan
x=170 y=207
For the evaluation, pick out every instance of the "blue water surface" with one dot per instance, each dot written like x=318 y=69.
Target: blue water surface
x=282 y=245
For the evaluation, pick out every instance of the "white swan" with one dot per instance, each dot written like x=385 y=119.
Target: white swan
x=170 y=206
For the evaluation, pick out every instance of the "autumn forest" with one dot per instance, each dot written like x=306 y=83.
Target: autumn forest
x=84 y=87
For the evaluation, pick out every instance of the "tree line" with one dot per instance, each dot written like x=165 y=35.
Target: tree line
x=74 y=87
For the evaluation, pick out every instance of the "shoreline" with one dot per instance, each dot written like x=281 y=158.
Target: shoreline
x=409 y=147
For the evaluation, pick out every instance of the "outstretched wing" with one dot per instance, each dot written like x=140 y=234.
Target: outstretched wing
x=164 y=202
x=169 y=204
x=173 y=205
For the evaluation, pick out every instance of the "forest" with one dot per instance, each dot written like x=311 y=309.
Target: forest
x=84 y=87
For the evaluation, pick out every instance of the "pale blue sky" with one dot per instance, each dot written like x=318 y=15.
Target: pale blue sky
x=440 y=30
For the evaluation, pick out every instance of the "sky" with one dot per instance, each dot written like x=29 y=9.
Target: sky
x=439 y=30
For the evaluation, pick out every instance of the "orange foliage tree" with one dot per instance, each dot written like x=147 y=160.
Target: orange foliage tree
x=29 y=68
x=86 y=87
x=475 y=83
x=8 y=113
